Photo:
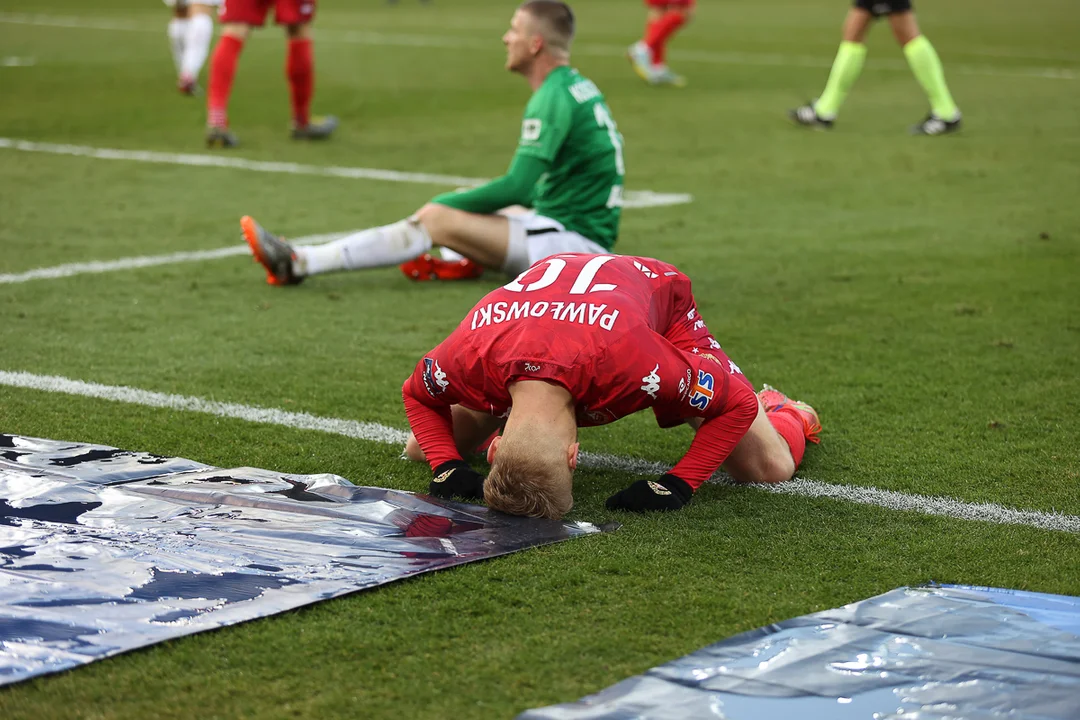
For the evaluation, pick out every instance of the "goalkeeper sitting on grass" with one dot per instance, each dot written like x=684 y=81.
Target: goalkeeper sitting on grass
x=568 y=168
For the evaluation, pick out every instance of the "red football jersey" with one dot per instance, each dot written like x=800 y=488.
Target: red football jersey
x=620 y=333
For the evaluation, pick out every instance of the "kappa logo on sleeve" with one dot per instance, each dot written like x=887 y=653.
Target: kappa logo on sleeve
x=703 y=391
x=652 y=382
x=530 y=130
x=645 y=271
x=434 y=377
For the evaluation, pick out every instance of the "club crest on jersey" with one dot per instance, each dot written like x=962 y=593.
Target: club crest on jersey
x=434 y=378
x=703 y=391
x=685 y=383
x=530 y=130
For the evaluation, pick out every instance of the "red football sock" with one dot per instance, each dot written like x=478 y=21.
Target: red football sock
x=659 y=30
x=788 y=423
x=222 y=70
x=300 y=69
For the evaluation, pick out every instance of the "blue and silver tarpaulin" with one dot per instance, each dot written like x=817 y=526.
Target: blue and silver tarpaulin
x=923 y=653
x=103 y=550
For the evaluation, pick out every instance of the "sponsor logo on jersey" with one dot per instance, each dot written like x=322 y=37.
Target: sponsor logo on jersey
x=684 y=384
x=434 y=378
x=703 y=391
x=530 y=130
x=652 y=382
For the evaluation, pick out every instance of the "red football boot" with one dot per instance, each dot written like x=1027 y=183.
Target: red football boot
x=428 y=267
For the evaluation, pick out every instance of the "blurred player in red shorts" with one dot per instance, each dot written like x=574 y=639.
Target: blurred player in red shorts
x=648 y=54
x=579 y=340
x=237 y=18
x=190 y=31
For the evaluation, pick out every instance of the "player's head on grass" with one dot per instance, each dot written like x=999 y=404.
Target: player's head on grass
x=540 y=34
x=533 y=461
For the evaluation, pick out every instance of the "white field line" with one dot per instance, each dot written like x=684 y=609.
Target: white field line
x=143 y=261
x=631 y=199
x=601 y=50
x=891 y=500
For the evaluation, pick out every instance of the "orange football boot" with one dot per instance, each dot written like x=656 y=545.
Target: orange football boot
x=774 y=400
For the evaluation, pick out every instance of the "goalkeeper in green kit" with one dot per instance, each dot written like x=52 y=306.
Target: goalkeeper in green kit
x=562 y=193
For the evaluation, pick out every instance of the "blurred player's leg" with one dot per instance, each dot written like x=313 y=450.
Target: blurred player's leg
x=237 y=19
x=648 y=56
x=197 y=37
x=219 y=89
x=177 y=31
x=297 y=15
x=482 y=238
x=924 y=62
x=845 y=71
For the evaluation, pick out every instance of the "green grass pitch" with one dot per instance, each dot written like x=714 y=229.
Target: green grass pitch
x=922 y=293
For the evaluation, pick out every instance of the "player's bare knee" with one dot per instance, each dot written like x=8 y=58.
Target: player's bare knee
x=412 y=450
x=777 y=469
x=240 y=31
x=297 y=31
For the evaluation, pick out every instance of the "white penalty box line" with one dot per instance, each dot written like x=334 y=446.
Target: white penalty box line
x=375 y=432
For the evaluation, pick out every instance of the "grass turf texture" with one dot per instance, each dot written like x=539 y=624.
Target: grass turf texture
x=903 y=285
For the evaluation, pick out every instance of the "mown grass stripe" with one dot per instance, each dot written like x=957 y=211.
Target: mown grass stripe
x=375 y=432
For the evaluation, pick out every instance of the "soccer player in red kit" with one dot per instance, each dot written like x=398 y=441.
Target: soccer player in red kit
x=647 y=55
x=580 y=340
x=237 y=19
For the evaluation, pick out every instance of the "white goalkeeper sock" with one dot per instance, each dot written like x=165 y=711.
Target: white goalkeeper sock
x=378 y=247
x=176 y=32
x=200 y=31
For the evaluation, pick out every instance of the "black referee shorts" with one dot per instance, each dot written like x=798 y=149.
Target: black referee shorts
x=884 y=7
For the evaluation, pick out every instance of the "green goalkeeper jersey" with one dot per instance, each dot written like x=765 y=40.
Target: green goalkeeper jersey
x=568 y=125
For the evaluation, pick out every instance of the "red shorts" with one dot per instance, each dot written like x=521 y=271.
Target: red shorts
x=670 y=3
x=253 y=12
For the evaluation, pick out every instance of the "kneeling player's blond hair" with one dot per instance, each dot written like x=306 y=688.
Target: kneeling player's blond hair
x=530 y=476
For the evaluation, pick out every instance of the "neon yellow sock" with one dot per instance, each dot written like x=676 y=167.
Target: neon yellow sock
x=926 y=66
x=845 y=71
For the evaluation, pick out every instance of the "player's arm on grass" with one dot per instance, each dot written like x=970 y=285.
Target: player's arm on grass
x=428 y=407
x=543 y=132
x=720 y=425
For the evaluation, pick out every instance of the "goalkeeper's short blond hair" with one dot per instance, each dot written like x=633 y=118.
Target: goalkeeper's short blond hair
x=556 y=22
x=530 y=476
